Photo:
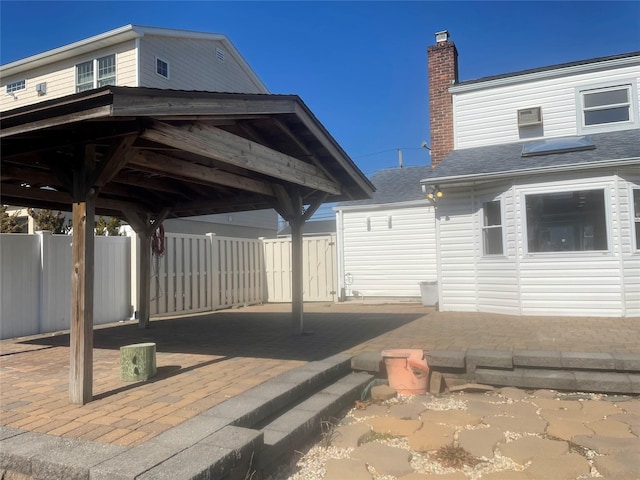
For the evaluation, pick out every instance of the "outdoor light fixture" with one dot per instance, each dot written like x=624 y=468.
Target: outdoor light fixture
x=434 y=193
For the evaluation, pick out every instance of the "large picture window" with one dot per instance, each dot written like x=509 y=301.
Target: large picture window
x=492 y=228
x=566 y=221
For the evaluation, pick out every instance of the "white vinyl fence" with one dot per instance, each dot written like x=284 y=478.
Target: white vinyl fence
x=35 y=282
x=197 y=273
x=320 y=277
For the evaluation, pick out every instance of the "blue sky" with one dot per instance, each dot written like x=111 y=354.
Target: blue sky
x=360 y=66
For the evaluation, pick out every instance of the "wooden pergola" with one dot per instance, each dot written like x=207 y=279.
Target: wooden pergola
x=145 y=155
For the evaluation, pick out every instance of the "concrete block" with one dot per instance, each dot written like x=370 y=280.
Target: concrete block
x=242 y=411
x=133 y=462
x=352 y=384
x=8 y=432
x=446 y=359
x=490 y=358
x=339 y=363
x=587 y=361
x=193 y=463
x=537 y=359
x=368 y=362
x=605 y=382
x=489 y=376
x=634 y=383
x=245 y=445
x=190 y=431
x=55 y=458
x=627 y=362
x=552 y=379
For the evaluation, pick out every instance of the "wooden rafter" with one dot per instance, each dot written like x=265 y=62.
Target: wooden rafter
x=217 y=144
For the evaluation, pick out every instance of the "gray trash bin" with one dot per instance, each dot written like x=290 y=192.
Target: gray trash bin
x=429 y=293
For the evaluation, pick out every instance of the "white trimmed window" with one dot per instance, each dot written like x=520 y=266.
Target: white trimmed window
x=86 y=77
x=162 y=67
x=492 y=242
x=573 y=221
x=607 y=108
x=16 y=86
x=636 y=216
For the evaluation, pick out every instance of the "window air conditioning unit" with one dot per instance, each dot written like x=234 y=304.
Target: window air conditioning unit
x=41 y=88
x=529 y=116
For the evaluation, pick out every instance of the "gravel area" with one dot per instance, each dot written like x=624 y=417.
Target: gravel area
x=309 y=464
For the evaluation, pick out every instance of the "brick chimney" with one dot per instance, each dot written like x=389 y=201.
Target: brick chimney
x=442 y=59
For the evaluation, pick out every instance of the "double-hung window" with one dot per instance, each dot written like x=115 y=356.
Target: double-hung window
x=162 y=68
x=607 y=107
x=492 y=243
x=573 y=221
x=96 y=73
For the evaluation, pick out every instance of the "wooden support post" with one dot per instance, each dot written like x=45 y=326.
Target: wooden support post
x=297 y=300
x=144 y=287
x=82 y=281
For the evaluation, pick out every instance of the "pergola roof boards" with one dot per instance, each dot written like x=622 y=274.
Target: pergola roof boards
x=192 y=153
x=147 y=154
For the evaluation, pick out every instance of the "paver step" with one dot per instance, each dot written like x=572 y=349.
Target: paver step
x=298 y=425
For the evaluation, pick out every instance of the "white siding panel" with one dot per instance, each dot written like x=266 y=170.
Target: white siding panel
x=570 y=284
x=60 y=77
x=488 y=116
x=192 y=66
x=393 y=255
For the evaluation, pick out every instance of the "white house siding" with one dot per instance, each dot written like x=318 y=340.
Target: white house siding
x=457 y=281
x=489 y=116
x=630 y=251
x=391 y=257
x=60 y=77
x=193 y=65
x=569 y=284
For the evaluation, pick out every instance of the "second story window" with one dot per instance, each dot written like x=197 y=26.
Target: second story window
x=162 y=68
x=16 y=86
x=606 y=108
x=86 y=78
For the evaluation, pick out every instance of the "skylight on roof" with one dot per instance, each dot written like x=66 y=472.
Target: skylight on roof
x=557 y=145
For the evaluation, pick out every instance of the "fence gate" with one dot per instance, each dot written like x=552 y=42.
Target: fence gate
x=320 y=281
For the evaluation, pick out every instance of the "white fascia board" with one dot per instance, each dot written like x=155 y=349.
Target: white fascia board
x=547 y=74
x=382 y=206
x=106 y=39
x=483 y=177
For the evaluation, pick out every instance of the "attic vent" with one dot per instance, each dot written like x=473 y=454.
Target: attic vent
x=529 y=116
x=220 y=54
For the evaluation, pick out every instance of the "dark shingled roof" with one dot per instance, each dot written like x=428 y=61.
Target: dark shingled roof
x=484 y=163
x=395 y=185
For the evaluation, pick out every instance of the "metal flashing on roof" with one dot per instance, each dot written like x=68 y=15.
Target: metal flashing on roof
x=549 y=146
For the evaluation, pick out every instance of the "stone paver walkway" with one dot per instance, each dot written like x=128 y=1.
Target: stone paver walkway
x=508 y=433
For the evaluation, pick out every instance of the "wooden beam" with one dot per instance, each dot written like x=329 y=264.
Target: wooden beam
x=144 y=226
x=82 y=281
x=217 y=144
x=114 y=160
x=93 y=113
x=172 y=167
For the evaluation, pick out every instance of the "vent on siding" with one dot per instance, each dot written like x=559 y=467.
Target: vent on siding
x=529 y=116
x=220 y=54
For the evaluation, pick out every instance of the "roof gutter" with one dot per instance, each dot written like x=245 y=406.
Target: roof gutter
x=462 y=179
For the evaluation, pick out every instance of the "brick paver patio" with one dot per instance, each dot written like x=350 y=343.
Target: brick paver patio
x=206 y=359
